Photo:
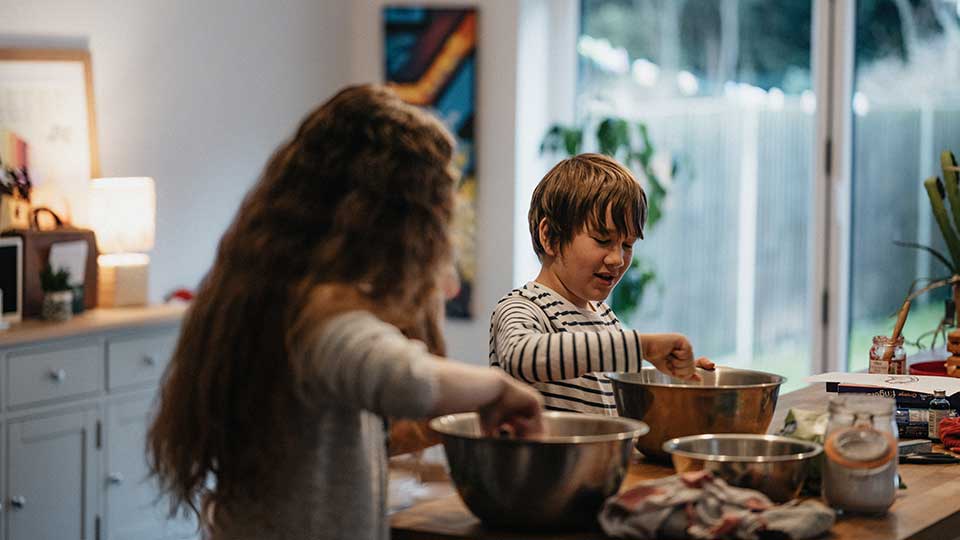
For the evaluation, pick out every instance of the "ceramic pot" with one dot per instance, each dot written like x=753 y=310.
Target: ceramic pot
x=57 y=306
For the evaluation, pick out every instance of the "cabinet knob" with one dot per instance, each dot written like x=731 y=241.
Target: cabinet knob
x=18 y=501
x=149 y=360
x=58 y=375
x=115 y=478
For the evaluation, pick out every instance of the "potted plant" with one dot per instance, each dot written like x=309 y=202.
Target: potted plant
x=944 y=196
x=628 y=142
x=57 y=294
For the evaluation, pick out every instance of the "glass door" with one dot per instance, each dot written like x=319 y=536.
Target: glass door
x=906 y=111
x=725 y=89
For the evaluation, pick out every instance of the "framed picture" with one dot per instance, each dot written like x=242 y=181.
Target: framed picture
x=47 y=124
x=431 y=61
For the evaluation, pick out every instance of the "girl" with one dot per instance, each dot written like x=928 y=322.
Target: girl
x=296 y=346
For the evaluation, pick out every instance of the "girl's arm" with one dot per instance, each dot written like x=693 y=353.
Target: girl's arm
x=498 y=398
x=358 y=361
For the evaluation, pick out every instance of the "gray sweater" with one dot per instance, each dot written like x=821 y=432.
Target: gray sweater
x=335 y=480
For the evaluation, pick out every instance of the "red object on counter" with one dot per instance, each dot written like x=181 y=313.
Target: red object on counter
x=186 y=295
x=934 y=367
x=950 y=433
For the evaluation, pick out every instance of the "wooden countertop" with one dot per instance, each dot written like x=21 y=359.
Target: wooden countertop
x=928 y=509
x=91 y=321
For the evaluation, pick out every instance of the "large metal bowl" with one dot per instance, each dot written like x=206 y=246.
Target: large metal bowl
x=559 y=479
x=775 y=466
x=726 y=400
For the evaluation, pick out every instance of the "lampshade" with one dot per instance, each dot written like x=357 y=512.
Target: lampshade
x=123 y=214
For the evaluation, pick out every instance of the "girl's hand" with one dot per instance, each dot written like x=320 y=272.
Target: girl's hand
x=672 y=354
x=516 y=411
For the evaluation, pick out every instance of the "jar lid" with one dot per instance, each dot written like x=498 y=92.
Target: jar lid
x=887 y=341
x=862 y=404
x=860 y=447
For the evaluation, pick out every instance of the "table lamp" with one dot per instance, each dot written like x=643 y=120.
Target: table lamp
x=123 y=215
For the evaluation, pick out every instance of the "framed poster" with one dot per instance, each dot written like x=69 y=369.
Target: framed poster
x=431 y=61
x=47 y=124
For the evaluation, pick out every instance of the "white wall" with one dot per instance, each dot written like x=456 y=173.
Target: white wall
x=496 y=149
x=195 y=93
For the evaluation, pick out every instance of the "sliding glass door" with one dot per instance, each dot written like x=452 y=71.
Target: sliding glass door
x=802 y=133
x=726 y=91
x=906 y=111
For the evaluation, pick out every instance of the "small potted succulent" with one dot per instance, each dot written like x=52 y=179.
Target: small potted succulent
x=57 y=294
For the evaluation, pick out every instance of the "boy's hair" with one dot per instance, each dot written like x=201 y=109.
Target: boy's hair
x=577 y=192
x=359 y=198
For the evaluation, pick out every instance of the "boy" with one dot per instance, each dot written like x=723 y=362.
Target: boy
x=555 y=332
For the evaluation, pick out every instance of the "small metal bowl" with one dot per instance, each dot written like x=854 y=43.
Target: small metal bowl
x=557 y=480
x=775 y=466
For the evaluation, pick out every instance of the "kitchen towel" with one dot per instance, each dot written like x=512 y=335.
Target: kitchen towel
x=698 y=505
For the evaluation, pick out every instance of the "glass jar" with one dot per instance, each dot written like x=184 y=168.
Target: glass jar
x=860 y=454
x=895 y=364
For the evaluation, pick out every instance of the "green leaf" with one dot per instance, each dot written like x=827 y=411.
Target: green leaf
x=613 y=134
x=628 y=294
x=646 y=154
x=936 y=254
x=572 y=141
x=935 y=192
x=51 y=281
x=561 y=138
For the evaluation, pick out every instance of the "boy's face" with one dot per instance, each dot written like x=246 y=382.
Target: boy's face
x=592 y=263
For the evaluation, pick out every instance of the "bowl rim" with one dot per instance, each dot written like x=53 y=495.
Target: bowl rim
x=633 y=429
x=617 y=377
x=815 y=449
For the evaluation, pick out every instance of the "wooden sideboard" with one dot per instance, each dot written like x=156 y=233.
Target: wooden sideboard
x=75 y=402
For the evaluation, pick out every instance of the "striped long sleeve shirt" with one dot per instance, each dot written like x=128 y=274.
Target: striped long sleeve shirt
x=539 y=337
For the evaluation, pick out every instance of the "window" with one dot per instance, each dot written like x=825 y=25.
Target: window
x=725 y=89
x=906 y=111
x=776 y=250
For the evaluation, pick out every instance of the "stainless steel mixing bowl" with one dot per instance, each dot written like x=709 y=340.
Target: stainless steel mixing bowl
x=775 y=466
x=727 y=400
x=556 y=480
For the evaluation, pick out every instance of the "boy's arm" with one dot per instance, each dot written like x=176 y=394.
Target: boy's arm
x=527 y=350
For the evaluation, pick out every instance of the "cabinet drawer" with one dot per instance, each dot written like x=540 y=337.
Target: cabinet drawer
x=140 y=360
x=53 y=374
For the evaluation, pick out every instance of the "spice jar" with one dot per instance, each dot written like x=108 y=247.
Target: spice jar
x=883 y=360
x=860 y=449
x=940 y=408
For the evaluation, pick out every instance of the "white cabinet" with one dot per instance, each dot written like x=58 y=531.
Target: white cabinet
x=52 y=464
x=139 y=360
x=74 y=412
x=46 y=374
x=132 y=511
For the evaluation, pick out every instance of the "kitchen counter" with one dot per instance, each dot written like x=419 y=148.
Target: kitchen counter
x=928 y=509
x=91 y=321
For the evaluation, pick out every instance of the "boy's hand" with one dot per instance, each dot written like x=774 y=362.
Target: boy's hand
x=516 y=411
x=672 y=354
